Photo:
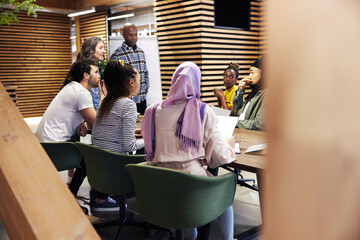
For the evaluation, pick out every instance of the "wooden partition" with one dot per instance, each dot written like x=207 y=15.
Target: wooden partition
x=35 y=202
x=186 y=32
x=313 y=182
x=11 y=90
x=263 y=25
x=35 y=55
x=93 y=25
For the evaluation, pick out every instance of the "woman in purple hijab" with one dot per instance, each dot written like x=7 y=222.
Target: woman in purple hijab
x=181 y=133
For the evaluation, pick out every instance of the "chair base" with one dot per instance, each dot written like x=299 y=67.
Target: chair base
x=241 y=181
x=130 y=221
x=127 y=220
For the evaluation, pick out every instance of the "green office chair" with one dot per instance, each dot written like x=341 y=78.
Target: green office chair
x=106 y=173
x=64 y=155
x=174 y=199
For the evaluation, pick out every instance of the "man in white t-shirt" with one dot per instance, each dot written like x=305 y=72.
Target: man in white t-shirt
x=72 y=110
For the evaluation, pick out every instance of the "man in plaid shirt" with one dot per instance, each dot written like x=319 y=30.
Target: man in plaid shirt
x=132 y=54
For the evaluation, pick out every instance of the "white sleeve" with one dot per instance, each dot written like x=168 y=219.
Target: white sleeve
x=83 y=100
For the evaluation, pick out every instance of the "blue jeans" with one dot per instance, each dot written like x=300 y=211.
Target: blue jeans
x=226 y=225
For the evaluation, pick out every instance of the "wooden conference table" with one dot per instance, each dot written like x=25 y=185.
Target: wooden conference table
x=251 y=162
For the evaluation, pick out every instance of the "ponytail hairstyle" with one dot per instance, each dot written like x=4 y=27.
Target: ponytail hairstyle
x=88 y=45
x=77 y=70
x=117 y=77
x=234 y=67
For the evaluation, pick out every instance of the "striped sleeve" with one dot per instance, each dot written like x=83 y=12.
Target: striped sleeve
x=128 y=128
x=116 y=131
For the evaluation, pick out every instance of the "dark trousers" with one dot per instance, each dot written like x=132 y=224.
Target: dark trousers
x=78 y=178
x=141 y=107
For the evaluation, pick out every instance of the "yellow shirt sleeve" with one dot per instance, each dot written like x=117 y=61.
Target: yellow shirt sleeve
x=229 y=95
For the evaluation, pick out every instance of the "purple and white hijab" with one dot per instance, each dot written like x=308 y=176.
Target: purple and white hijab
x=185 y=85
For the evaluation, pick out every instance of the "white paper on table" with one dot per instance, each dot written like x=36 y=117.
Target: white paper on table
x=226 y=125
x=220 y=111
x=255 y=148
x=237 y=148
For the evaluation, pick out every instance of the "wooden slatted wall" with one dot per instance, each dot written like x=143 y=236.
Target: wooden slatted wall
x=186 y=32
x=35 y=56
x=94 y=25
x=263 y=28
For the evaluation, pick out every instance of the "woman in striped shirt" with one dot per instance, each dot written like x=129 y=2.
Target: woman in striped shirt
x=114 y=127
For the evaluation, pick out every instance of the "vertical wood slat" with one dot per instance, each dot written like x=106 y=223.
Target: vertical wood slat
x=92 y=25
x=262 y=28
x=35 y=202
x=77 y=34
x=35 y=55
x=186 y=32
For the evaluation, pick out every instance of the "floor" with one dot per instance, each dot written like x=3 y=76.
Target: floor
x=246 y=215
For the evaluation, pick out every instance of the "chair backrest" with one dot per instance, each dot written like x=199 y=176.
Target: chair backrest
x=64 y=155
x=106 y=171
x=174 y=199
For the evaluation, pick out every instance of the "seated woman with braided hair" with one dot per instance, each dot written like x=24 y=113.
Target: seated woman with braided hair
x=251 y=109
x=225 y=98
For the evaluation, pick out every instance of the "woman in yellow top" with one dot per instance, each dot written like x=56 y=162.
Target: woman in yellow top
x=225 y=98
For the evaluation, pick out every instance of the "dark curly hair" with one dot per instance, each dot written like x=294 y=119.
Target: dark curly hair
x=234 y=67
x=117 y=82
x=77 y=70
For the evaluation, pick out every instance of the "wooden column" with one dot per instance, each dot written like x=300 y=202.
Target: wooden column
x=313 y=182
x=35 y=202
x=77 y=34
